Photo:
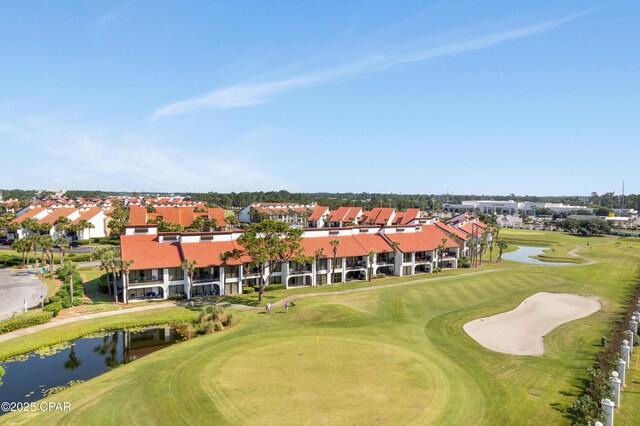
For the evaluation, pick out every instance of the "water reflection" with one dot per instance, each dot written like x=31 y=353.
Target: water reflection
x=28 y=377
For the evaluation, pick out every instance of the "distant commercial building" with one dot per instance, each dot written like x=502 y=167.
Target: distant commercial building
x=511 y=207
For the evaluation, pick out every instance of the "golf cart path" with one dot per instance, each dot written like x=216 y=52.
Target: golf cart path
x=55 y=323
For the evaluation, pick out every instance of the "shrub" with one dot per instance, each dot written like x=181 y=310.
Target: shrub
x=27 y=319
x=464 y=262
x=54 y=308
x=80 y=257
x=185 y=330
x=273 y=287
x=228 y=320
x=209 y=327
x=217 y=326
x=377 y=276
x=248 y=290
x=54 y=299
x=176 y=296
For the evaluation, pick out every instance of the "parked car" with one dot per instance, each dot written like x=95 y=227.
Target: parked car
x=7 y=242
x=74 y=244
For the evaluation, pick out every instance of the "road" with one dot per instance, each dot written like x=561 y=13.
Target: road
x=16 y=285
x=79 y=250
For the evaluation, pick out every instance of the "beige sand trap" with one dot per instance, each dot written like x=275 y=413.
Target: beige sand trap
x=521 y=331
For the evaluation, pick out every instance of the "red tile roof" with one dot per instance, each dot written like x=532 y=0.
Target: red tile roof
x=30 y=213
x=218 y=214
x=137 y=215
x=147 y=253
x=208 y=253
x=318 y=212
x=348 y=246
x=57 y=213
x=409 y=215
x=455 y=231
x=429 y=238
x=470 y=229
x=380 y=216
x=344 y=214
x=87 y=214
x=373 y=241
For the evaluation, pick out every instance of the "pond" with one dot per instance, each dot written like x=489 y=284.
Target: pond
x=525 y=253
x=37 y=374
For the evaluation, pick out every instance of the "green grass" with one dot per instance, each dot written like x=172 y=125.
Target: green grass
x=251 y=299
x=53 y=285
x=388 y=356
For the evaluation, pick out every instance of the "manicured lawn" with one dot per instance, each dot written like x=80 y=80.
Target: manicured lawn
x=53 y=284
x=389 y=356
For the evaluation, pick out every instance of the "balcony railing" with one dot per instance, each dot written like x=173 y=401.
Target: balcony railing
x=384 y=260
x=357 y=265
x=300 y=270
x=251 y=272
x=141 y=281
x=423 y=258
x=206 y=278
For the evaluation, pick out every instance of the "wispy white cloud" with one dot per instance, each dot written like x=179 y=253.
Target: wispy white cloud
x=245 y=95
x=72 y=157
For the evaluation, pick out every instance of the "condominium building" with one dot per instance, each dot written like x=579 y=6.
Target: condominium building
x=338 y=255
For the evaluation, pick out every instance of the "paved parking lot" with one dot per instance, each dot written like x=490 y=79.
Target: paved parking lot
x=16 y=286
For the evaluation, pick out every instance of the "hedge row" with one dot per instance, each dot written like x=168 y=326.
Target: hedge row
x=27 y=319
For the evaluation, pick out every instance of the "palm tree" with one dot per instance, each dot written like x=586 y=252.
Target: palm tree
x=61 y=223
x=125 y=267
x=372 y=257
x=33 y=241
x=189 y=265
x=106 y=256
x=334 y=244
x=23 y=247
x=45 y=228
x=317 y=255
x=84 y=224
x=46 y=244
x=483 y=245
x=441 y=248
x=71 y=268
x=502 y=246
x=63 y=245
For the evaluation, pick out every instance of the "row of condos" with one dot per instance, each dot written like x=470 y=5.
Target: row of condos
x=338 y=255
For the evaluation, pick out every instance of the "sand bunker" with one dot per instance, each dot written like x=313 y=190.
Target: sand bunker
x=521 y=331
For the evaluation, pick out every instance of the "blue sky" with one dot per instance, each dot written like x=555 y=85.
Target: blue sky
x=486 y=97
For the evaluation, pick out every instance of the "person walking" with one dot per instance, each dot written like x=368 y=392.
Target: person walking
x=286 y=306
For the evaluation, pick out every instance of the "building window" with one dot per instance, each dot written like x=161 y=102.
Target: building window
x=277 y=267
x=406 y=270
x=176 y=289
x=321 y=279
x=323 y=264
x=232 y=271
x=176 y=274
x=337 y=278
x=275 y=280
x=407 y=257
